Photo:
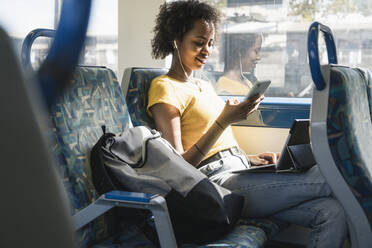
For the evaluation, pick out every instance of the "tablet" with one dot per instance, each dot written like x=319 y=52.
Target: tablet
x=258 y=88
x=289 y=161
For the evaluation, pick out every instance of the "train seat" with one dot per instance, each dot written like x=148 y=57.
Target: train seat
x=94 y=99
x=341 y=134
x=367 y=74
x=135 y=84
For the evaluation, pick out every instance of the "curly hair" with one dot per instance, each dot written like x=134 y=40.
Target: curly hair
x=177 y=18
x=235 y=45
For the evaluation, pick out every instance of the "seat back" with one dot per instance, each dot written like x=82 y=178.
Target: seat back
x=94 y=98
x=135 y=84
x=368 y=77
x=341 y=137
x=33 y=209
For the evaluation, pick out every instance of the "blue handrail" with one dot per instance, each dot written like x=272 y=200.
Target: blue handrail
x=27 y=45
x=54 y=74
x=313 y=52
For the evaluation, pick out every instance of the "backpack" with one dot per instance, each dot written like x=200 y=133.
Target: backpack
x=140 y=160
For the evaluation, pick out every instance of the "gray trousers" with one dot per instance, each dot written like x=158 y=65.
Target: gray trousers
x=298 y=198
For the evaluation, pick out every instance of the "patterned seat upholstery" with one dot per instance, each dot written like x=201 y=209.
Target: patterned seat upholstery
x=350 y=132
x=367 y=74
x=93 y=99
x=243 y=236
x=346 y=160
x=135 y=84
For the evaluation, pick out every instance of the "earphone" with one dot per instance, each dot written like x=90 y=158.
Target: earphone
x=241 y=67
x=244 y=78
x=179 y=57
x=184 y=71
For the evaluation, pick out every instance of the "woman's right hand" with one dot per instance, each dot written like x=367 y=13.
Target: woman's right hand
x=235 y=110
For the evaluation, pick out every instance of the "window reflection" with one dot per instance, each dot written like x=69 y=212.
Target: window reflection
x=101 y=42
x=283 y=26
x=241 y=53
x=19 y=17
x=101 y=46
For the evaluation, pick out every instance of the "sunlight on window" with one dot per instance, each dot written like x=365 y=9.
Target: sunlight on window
x=267 y=39
x=17 y=19
x=102 y=38
x=101 y=42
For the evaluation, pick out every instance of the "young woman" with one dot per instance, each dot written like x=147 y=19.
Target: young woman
x=241 y=53
x=197 y=123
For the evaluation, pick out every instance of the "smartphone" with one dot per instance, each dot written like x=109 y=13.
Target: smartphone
x=258 y=88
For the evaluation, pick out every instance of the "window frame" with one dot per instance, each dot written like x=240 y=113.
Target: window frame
x=278 y=112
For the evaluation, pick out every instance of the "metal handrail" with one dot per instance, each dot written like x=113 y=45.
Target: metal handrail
x=313 y=52
x=56 y=71
x=28 y=42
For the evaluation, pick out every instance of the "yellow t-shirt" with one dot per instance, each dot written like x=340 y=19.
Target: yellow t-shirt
x=199 y=107
x=233 y=87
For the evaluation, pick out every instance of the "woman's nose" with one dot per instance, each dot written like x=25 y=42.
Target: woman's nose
x=258 y=56
x=206 y=49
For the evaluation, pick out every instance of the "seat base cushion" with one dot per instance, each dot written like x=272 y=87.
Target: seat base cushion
x=248 y=233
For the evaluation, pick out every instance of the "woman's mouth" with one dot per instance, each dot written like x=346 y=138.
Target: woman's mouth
x=203 y=61
x=254 y=64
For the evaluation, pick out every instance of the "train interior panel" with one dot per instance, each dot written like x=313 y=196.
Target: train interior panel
x=72 y=72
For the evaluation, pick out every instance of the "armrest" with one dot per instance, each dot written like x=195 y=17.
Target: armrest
x=155 y=203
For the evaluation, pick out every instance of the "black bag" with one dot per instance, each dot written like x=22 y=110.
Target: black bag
x=141 y=161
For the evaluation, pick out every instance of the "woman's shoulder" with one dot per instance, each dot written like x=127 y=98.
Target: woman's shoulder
x=226 y=85
x=163 y=79
x=163 y=84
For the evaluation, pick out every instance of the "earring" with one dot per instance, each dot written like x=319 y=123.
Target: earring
x=175 y=44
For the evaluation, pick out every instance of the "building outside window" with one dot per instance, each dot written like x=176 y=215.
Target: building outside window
x=282 y=26
x=20 y=17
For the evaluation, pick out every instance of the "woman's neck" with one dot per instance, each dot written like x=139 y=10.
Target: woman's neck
x=234 y=75
x=179 y=75
x=177 y=71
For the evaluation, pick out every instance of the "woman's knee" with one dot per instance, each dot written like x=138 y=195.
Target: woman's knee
x=329 y=223
x=331 y=211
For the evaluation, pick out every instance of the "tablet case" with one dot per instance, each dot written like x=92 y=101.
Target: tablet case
x=302 y=157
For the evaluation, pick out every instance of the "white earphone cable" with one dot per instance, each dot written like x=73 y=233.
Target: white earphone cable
x=179 y=57
x=184 y=71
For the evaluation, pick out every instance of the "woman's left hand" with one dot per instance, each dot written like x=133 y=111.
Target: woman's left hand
x=264 y=158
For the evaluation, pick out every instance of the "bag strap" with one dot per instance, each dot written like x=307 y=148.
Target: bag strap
x=97 y=162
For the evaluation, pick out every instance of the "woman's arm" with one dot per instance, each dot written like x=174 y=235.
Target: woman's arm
x=168 y=121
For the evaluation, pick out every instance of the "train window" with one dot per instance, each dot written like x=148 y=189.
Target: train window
x=19 y=17
x=101 y=46
x=39 y=51
x=267 y=39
